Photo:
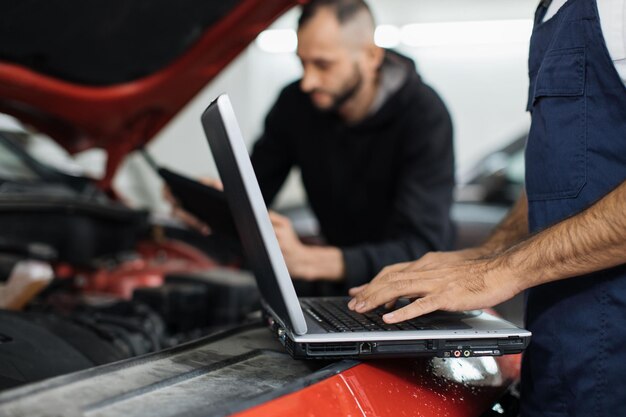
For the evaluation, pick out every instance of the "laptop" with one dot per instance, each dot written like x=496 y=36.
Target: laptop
x=323 y=327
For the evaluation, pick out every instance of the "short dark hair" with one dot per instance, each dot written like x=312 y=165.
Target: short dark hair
x=345 y=10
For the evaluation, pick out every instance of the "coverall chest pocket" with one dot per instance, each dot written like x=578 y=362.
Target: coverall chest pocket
x=556 y=152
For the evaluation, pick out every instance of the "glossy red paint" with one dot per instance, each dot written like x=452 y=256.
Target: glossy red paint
x=396 y=388
x=123 y=117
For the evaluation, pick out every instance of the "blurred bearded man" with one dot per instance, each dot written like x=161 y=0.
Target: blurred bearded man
x=373 y=144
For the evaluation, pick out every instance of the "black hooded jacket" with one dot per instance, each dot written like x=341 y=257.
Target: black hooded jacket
x=381 y=189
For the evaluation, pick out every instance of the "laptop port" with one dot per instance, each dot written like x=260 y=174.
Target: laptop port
x=467 y=353
x=457 y=353
x=365 y=348
x=282 y=335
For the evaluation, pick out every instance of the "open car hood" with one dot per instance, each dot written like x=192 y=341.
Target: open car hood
x=112 y=74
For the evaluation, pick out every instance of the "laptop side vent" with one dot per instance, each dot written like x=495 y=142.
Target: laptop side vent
x=290 y=346
x=332 y=349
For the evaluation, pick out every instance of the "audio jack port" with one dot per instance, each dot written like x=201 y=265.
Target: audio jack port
x=466 y=353
x=457 y=353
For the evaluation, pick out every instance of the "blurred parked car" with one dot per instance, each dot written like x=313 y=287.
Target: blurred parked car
x=487 y=192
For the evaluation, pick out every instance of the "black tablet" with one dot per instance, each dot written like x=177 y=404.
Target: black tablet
x=206 y=203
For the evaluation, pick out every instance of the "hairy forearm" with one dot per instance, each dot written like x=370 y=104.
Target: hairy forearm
x=590 y=241
x=512 y=229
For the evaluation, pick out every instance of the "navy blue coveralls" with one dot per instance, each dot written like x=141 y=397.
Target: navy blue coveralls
x=575 y=155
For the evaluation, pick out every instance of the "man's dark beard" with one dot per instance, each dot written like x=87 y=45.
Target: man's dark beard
x=349 y=92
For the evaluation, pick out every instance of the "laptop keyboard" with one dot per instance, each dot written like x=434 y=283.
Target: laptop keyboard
x=335 y=316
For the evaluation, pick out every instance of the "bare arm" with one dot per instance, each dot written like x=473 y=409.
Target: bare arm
x=592 y=240
x=513 y=228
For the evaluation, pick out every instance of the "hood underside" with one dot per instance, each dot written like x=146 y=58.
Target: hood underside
x=112 y=74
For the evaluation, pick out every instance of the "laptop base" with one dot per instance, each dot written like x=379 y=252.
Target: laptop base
x=362 y=350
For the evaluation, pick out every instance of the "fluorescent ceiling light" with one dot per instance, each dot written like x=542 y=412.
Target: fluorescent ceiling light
x=489 y=32
x=420 y=35
x=387 y=36
x=277 y=41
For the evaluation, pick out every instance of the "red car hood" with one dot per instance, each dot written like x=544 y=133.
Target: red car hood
x=112 y=74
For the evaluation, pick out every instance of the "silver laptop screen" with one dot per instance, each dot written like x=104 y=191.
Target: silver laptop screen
x=250 y=213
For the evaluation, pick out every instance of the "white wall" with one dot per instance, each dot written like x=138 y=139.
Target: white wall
x=484 y=86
